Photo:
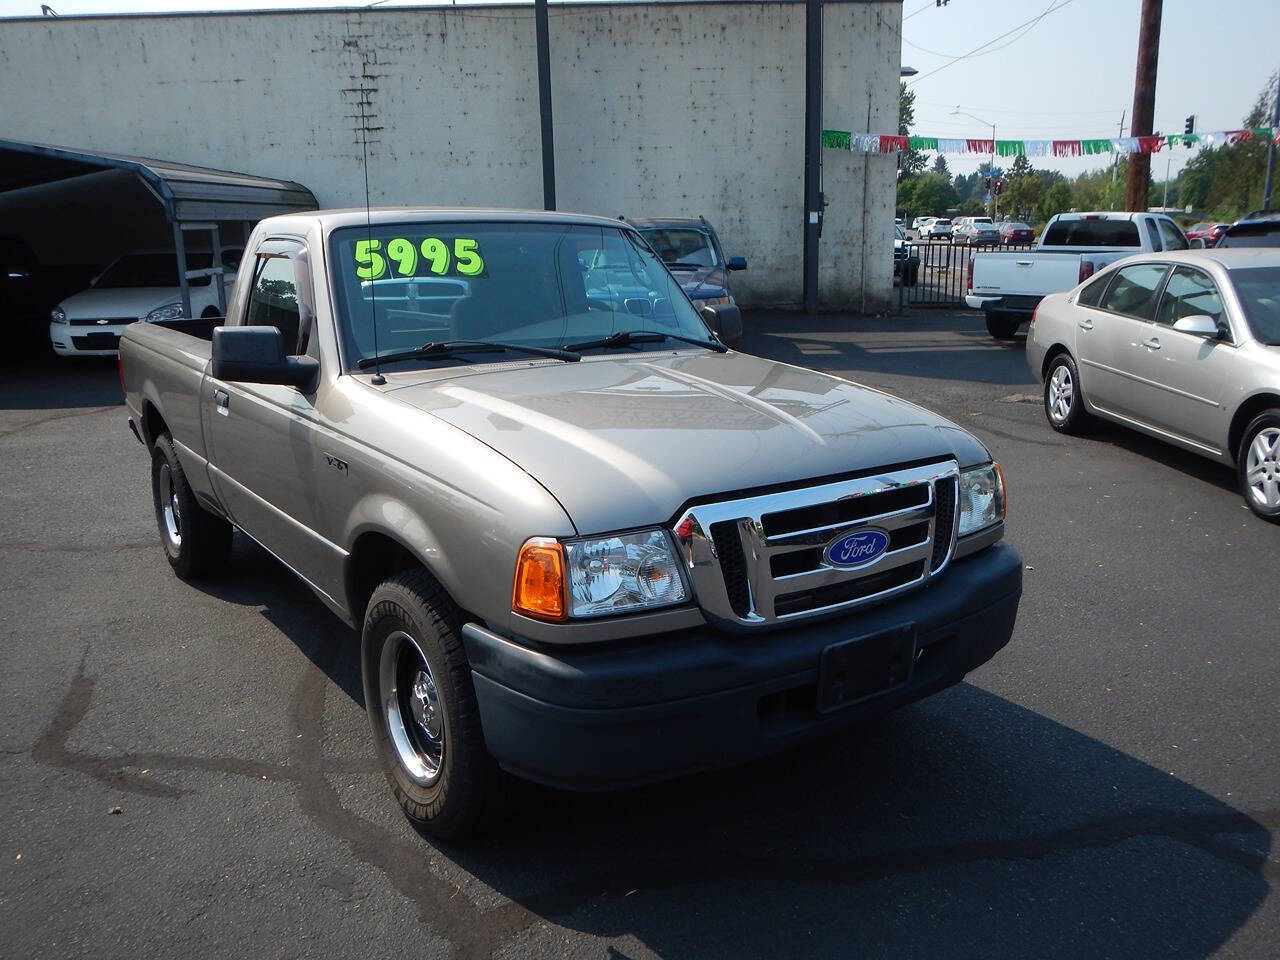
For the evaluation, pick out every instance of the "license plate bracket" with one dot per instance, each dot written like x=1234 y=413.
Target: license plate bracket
x=866 y=667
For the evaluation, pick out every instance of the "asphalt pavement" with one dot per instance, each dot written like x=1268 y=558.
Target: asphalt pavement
x=187 y=771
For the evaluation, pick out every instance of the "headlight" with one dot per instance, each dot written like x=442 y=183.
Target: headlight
x=58 y=315
x=624 y=573
x=981 y=498
x=170 y=311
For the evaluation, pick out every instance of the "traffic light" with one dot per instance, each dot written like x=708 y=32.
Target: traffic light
x=1190 y=125
x=987 y=181
x=999 y=186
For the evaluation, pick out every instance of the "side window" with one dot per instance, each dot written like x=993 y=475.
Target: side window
x=1092 y=292
x=1172 y=236
x=1152 y=234
x=1190 y=293
x=274 y=301
x=1133 y=293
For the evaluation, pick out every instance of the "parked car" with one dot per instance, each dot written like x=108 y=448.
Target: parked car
x=1258 y=229
x=691 y=250
x=138 y=286
x=587 y=547
x=906 y=259
x=1207 y=231
x=1014 y=232
x=897 y=221
x=977 y=231
x=1007 y=286
x=1183 y=346
x=936 y=228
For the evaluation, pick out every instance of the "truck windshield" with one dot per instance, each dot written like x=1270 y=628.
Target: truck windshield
x=1259 y=291
x=400 y=286
x=682 y=246
x=1092 y=233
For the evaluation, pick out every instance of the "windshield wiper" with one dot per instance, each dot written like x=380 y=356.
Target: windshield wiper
x=677 y=265
x=448 y=348
x=627 y=338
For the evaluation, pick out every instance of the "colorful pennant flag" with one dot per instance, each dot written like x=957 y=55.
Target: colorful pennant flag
x=890 y=143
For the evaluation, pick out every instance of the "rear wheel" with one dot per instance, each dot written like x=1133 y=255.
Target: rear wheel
x=1258 y=464
x=1002 y=327
x=196 y=542
x=1063 y=401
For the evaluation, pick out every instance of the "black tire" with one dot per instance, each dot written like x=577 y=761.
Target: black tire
x=1265 y=464
x=1002 y=327
x=454 y=792
x=1066 y=414
x=196 y=543
x=210 y=313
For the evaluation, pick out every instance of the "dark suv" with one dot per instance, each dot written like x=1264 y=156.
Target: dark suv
x=1258 y=229
x=692 y=252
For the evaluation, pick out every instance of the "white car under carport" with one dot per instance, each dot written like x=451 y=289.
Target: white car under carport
x=138 y=286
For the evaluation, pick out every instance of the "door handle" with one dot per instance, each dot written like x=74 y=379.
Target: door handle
x=1086 y=324
x=1023 y=263
x=222 y=400
x=1152 y=344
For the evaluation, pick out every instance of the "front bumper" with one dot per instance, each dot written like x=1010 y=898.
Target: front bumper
x=603 y=717
x=74 y=340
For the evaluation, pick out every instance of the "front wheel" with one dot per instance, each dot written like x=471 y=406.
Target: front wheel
x=1063 y=401
x=1258 y=464
x=196 y=542
x=422 y=707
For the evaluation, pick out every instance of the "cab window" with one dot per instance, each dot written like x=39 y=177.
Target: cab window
x=1171 y=235
x=1190 y=293
x=280 y=299
x=1133 y=293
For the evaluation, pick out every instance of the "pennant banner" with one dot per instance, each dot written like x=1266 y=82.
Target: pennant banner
x=892 y=143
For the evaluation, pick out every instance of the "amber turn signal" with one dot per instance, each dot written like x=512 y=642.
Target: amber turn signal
x=539 y=587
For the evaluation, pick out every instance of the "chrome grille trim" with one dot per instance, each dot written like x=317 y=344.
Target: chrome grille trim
x=698 y=549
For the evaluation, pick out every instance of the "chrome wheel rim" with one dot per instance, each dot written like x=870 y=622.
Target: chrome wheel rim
x=1062 y=391
x=170 y=510
x=413 y=708
x=1262 y=468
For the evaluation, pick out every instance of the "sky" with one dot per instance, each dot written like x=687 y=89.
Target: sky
x=1067 y=75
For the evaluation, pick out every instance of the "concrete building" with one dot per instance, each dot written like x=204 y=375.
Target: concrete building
x=659 y=109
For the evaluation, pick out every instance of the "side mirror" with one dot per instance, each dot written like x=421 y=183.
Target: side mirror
x=726 y=320
x=1199 y=325
x=1197 y=244
x=737 y=263
x=256 y=355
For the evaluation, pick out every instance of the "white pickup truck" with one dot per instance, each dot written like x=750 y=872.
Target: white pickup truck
x=1007 y=287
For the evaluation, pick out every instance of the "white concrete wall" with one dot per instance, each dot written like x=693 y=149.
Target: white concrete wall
x=665 y=109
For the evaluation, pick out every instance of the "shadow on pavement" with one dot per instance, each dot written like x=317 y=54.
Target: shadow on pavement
x=962 y=826
x=962 y=350
x=36 y=379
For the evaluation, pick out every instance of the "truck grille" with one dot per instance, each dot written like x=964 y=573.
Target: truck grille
x=762 y=560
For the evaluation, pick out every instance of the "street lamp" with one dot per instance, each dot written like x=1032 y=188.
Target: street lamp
x=907 y=71
x=994 y=202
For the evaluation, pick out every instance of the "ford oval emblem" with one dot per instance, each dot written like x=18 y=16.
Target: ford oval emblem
x=858 y=548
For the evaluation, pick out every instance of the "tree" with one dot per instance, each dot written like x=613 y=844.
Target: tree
x=1021 y=167
x=910 y=162
x=1021 y=195
x=940 y=166
x=1056 y=200
x=930 y=194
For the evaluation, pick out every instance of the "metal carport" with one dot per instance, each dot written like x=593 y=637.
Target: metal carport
x=192 y=198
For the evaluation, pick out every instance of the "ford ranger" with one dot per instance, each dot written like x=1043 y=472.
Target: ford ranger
x=583 y=540
x=1007 y=287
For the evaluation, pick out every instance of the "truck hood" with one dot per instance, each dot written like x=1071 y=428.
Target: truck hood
x=125 y=302
x=705 y=283
x=626 y=441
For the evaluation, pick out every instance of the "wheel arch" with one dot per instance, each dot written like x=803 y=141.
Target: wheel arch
x=1251 y=407
x=153 y=423
x=1052 y=354
x=375 y=556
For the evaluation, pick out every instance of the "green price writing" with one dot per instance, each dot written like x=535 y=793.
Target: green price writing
x=434 y=254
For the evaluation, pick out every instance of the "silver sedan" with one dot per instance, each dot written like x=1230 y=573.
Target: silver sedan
x=1184 y=346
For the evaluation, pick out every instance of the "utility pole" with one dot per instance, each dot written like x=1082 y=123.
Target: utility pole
x=813 y=151
x=1144 y=104
x=544 y=104
x=1271 y=150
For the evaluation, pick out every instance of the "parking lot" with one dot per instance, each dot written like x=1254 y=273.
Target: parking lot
x=188 y=771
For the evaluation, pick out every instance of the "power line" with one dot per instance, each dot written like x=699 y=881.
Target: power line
x=1036 y=113
x=1034 y=20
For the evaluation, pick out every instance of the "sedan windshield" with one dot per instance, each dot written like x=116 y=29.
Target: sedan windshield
x=159 y=270
x=402 y=286
x=1259 y=292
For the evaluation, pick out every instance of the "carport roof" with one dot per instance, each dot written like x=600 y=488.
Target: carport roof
x=188 y=193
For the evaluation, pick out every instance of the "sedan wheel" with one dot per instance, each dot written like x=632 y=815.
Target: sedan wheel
x=1062 y=392
x=1063 y=401
x=1259 y=465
